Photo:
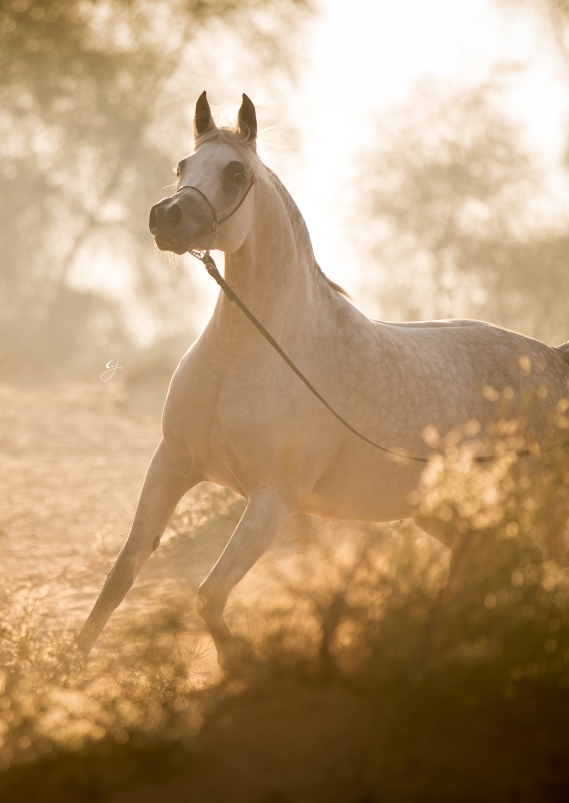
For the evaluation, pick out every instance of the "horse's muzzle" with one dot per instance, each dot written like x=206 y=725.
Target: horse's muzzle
x=177 y=222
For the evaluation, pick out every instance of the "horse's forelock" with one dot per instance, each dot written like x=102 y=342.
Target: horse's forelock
x=245 y=148
x=229 y=136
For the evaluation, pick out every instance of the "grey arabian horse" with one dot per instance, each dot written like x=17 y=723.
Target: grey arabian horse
x=237 y=415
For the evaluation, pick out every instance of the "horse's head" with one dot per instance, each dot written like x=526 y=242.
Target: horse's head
x=214 y=186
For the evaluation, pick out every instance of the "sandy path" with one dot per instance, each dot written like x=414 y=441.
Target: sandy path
x=72 y=461
x=73 y=456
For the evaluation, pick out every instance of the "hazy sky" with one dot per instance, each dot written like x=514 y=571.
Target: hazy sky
x=360 y=58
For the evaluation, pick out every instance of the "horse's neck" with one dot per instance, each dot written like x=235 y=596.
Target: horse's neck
x=273 y=272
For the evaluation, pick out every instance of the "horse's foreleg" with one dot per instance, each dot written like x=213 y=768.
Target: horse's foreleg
x=164 y=485
x=265 y=516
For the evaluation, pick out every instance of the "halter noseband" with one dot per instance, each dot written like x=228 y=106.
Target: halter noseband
x=216 y=221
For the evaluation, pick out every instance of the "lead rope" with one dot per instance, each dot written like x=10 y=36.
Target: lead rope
x=211 y=267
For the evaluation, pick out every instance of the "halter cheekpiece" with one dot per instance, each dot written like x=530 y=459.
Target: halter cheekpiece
x=204 y=256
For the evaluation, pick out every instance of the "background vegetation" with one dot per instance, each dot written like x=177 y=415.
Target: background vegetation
x=365 y=681
x=97 y=98
x=460 y=213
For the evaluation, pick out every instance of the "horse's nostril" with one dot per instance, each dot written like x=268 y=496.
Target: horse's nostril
x=152 y=220
x=174 y=217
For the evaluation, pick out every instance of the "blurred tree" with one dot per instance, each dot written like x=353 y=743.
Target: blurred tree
x=96 y=101
x=556 y=14
x=460 y=224
x=556 y=11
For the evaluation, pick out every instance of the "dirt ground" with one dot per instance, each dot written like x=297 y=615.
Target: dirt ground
x=73 y=455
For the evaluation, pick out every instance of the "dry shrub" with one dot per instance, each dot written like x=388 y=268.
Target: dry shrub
x=370 y=682
x=445 y=695
x=427 y=696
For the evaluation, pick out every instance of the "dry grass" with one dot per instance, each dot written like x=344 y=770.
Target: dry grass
x=369 y=683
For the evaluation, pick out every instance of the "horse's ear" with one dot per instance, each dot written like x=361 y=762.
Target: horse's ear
x=203 y=121
x=247 y=119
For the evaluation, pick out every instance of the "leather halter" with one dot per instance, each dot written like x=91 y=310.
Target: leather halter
x=216 y=220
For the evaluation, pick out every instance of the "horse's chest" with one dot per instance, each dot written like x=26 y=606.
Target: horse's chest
x=230 y=426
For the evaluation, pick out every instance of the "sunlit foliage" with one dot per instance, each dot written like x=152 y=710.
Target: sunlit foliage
x=457 y=215
x=363 y=676
x=555 y=11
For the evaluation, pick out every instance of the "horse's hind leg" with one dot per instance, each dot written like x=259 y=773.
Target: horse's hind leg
x=164 y=485
x=441 y=530
x=266 y=514
x=447 y=534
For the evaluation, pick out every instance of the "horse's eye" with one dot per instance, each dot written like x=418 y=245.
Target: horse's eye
x=239 y=177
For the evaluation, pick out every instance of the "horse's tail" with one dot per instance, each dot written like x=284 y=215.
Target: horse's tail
x=563 y=349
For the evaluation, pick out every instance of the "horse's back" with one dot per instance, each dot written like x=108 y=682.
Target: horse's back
x=446 y=323
x=488 y=340
x=448 y=364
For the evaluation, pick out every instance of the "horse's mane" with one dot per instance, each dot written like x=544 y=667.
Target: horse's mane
x=247 y=150
x=300 y=225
